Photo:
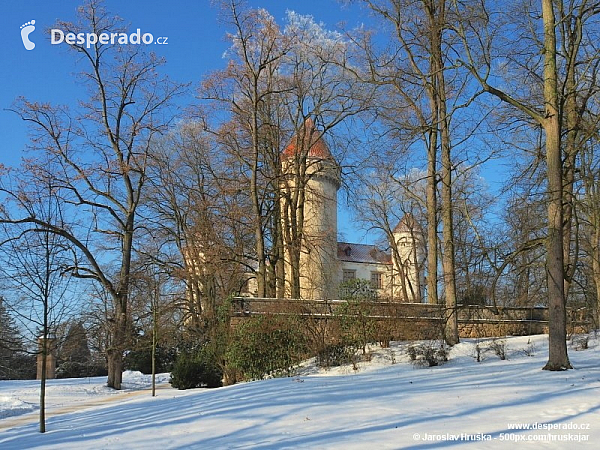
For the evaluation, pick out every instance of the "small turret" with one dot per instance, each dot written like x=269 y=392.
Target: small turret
x=407 y=258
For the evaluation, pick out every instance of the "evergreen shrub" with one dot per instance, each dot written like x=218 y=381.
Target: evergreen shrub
x=266 y=346
x=196 y=368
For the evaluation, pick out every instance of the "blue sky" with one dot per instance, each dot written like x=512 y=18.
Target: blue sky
x=194 y=47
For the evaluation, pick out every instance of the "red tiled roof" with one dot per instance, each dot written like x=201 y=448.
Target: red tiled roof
x=407 y=224
x=318 y=148
x=362 y=253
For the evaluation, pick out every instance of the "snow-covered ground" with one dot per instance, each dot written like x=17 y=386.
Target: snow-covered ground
x=386 y=404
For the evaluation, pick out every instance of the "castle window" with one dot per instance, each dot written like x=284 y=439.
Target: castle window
x=348 y=275
x=376 y=280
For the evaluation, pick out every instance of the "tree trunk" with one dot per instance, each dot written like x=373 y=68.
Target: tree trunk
x=154 y=337
x=431 y=205
x=279 y=243
x=43 y=381
x=258 y=231
x=557 y=358
x=118 y=343
x=115 y=367
x=571 y=150
x=296 y=195
x=431 y=201
x=571 y=28
x=448 y=260
x=438 y=20
x=596 y=266
x=115 y=352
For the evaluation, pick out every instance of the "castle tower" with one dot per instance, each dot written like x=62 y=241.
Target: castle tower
x=311 y=179
x=407 y=260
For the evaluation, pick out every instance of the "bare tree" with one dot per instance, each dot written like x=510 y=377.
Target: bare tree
x=281 y=88
x=34 y=262
x=403 y=73
x=386 y=201
x=577 y=30
x=590 y=217
x=323 y=94
x=99 y=156
x=552 y=96
x=415 y=72
x=200 y=219
x=243 y=89
x=475 y=245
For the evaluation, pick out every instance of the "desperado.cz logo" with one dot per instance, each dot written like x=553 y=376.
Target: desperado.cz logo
x=26 y=29
x=58 y=36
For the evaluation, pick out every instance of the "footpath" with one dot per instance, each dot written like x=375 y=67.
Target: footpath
x=34 y=416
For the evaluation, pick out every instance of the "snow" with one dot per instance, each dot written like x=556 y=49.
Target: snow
x=386 y=404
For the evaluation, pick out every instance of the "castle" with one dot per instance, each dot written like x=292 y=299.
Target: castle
x=325 y=263
x=316 y=266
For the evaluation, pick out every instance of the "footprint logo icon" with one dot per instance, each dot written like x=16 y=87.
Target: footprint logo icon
x=26 y=30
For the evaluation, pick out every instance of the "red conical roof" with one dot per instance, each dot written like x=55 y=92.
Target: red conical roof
x=407 y=224
x=312 y=139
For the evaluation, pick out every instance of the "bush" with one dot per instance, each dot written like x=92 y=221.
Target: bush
x=266 y=346
x=357 y=326
x=195 y=369
x=499 y=348
x=581 y=343
x=530 y=349
x=19 y=366
x=429 y=354
x=72 y=369
x=141 y=360
x=335 y=355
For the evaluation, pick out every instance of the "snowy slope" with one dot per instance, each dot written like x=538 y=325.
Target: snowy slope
x=383 y=405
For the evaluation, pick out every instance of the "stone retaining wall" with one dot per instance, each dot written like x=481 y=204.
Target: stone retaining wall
x=408 y=321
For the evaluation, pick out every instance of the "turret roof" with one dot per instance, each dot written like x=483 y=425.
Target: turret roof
x=311 y=138
x=407 y=224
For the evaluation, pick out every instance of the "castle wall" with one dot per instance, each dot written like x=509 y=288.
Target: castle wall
x=408 y=321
